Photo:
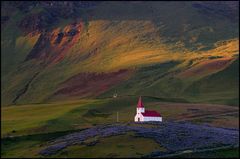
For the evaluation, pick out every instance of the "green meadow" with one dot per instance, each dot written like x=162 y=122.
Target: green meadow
x=52 y=117
x=26 y=129
x=32 y=126
x=62 y=116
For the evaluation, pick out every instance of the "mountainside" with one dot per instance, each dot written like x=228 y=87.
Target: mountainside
x=55 y=51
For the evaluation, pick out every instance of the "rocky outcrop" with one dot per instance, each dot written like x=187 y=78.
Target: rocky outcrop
x=53 y=45
x=59 y=38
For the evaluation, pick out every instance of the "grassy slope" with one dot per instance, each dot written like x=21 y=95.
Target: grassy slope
x=219 y=87
x=27 y=117
x=131 y=36
x=14 y=48
x=154 y=81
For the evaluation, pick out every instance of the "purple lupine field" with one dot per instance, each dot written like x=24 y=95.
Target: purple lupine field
x=171 y=135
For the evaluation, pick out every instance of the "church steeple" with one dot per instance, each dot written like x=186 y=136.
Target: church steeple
x=140 y=103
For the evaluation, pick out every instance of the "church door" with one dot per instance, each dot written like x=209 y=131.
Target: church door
x=138 y=119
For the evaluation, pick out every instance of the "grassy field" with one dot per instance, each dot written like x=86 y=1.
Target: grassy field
x=40 y=118
x=24 y=118
x=38 y=123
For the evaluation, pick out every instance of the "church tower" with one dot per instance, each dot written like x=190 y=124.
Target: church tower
x=140 y=106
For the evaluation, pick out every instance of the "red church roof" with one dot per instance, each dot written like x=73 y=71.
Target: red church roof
x=151 y=113
x=140 y=103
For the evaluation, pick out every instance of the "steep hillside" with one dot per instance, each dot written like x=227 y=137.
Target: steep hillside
x=53 y=51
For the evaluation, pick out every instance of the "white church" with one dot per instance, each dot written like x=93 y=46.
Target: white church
x=146 y=115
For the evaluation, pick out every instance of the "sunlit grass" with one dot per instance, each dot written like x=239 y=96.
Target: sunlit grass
x=20 y=118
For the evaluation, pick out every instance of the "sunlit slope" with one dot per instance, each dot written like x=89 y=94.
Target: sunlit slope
x=94 y=53
x=183 y=47
x=222 y=86
x=214 y=73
